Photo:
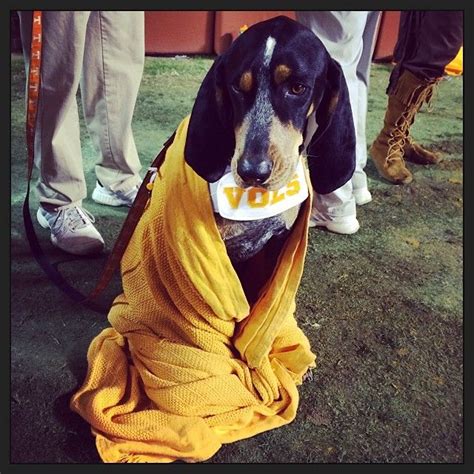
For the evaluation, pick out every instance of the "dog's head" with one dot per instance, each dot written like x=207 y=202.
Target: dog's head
x=252 y=108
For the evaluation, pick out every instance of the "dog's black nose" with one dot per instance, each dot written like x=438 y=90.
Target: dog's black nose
x=254 y=171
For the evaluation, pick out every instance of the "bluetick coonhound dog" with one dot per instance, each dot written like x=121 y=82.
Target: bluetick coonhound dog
x=251 y=115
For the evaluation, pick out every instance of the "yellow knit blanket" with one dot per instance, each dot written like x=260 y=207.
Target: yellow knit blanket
x=188 y=365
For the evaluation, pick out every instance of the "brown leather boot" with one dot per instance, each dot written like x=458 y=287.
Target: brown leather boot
x=417 y=154
x=388 y=149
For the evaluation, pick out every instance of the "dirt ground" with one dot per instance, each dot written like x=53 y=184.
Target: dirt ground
x=382 y=308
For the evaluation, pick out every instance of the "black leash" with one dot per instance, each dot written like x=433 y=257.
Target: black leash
x=118 y=250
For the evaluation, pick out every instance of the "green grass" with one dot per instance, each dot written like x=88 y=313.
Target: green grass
x=382 y=308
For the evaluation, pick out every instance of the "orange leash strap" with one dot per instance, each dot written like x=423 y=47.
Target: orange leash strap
x=133 y=216
x=33 y=88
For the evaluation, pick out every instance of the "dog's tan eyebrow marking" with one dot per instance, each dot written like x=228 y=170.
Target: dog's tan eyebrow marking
x=282 y=72
x=246 y=81
x=219 y=96
x=333 y=103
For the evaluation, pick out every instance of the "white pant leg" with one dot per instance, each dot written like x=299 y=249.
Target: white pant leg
x=113 y=68
x=359 y=179
x=57 y=144
x=349 y=37
x=341 y=33
x=335 y=206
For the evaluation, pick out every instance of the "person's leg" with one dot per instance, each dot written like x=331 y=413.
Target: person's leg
x=435 y=38
x=112 y=72
x=61 y=184
x=428 y=40
x=341 y=32
x=336 y=211
x=428 y=60
x=359 y=179
x=57 y=143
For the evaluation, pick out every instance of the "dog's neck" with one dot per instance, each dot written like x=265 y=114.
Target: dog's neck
x=254 y=246
x=244 y=239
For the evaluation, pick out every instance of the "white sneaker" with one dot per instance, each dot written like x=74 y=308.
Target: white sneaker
x=72 y=230
x=349 y=225
x=102 y=195
x=362 y=196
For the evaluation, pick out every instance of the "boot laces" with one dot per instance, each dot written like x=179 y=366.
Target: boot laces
x=400 y=134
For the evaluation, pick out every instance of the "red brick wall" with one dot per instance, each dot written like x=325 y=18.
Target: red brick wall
x=228 y=24
x=387 y=36
x=211 y=32
x=179 y=32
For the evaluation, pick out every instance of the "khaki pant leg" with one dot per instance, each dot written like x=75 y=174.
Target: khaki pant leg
x=113 y=68
x=57 y=143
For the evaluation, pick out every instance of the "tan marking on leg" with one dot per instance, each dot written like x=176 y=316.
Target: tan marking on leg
x=282 y=72
x=289 y=216
x=246 y=81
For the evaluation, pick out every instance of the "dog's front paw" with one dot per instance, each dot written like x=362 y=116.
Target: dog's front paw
x=308 y=376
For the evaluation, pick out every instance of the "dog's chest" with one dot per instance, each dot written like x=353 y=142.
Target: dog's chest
x=244 y=239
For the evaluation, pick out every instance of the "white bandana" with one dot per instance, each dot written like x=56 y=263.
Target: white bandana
x=248 y=204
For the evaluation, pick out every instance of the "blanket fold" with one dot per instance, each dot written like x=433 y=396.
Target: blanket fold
x=187 y=363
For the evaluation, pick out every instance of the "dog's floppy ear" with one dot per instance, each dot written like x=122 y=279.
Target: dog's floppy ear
x=331 y=151
x=210 y=140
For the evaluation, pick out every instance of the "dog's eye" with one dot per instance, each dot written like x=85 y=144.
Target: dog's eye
x=297 y=89
x=236 y=88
